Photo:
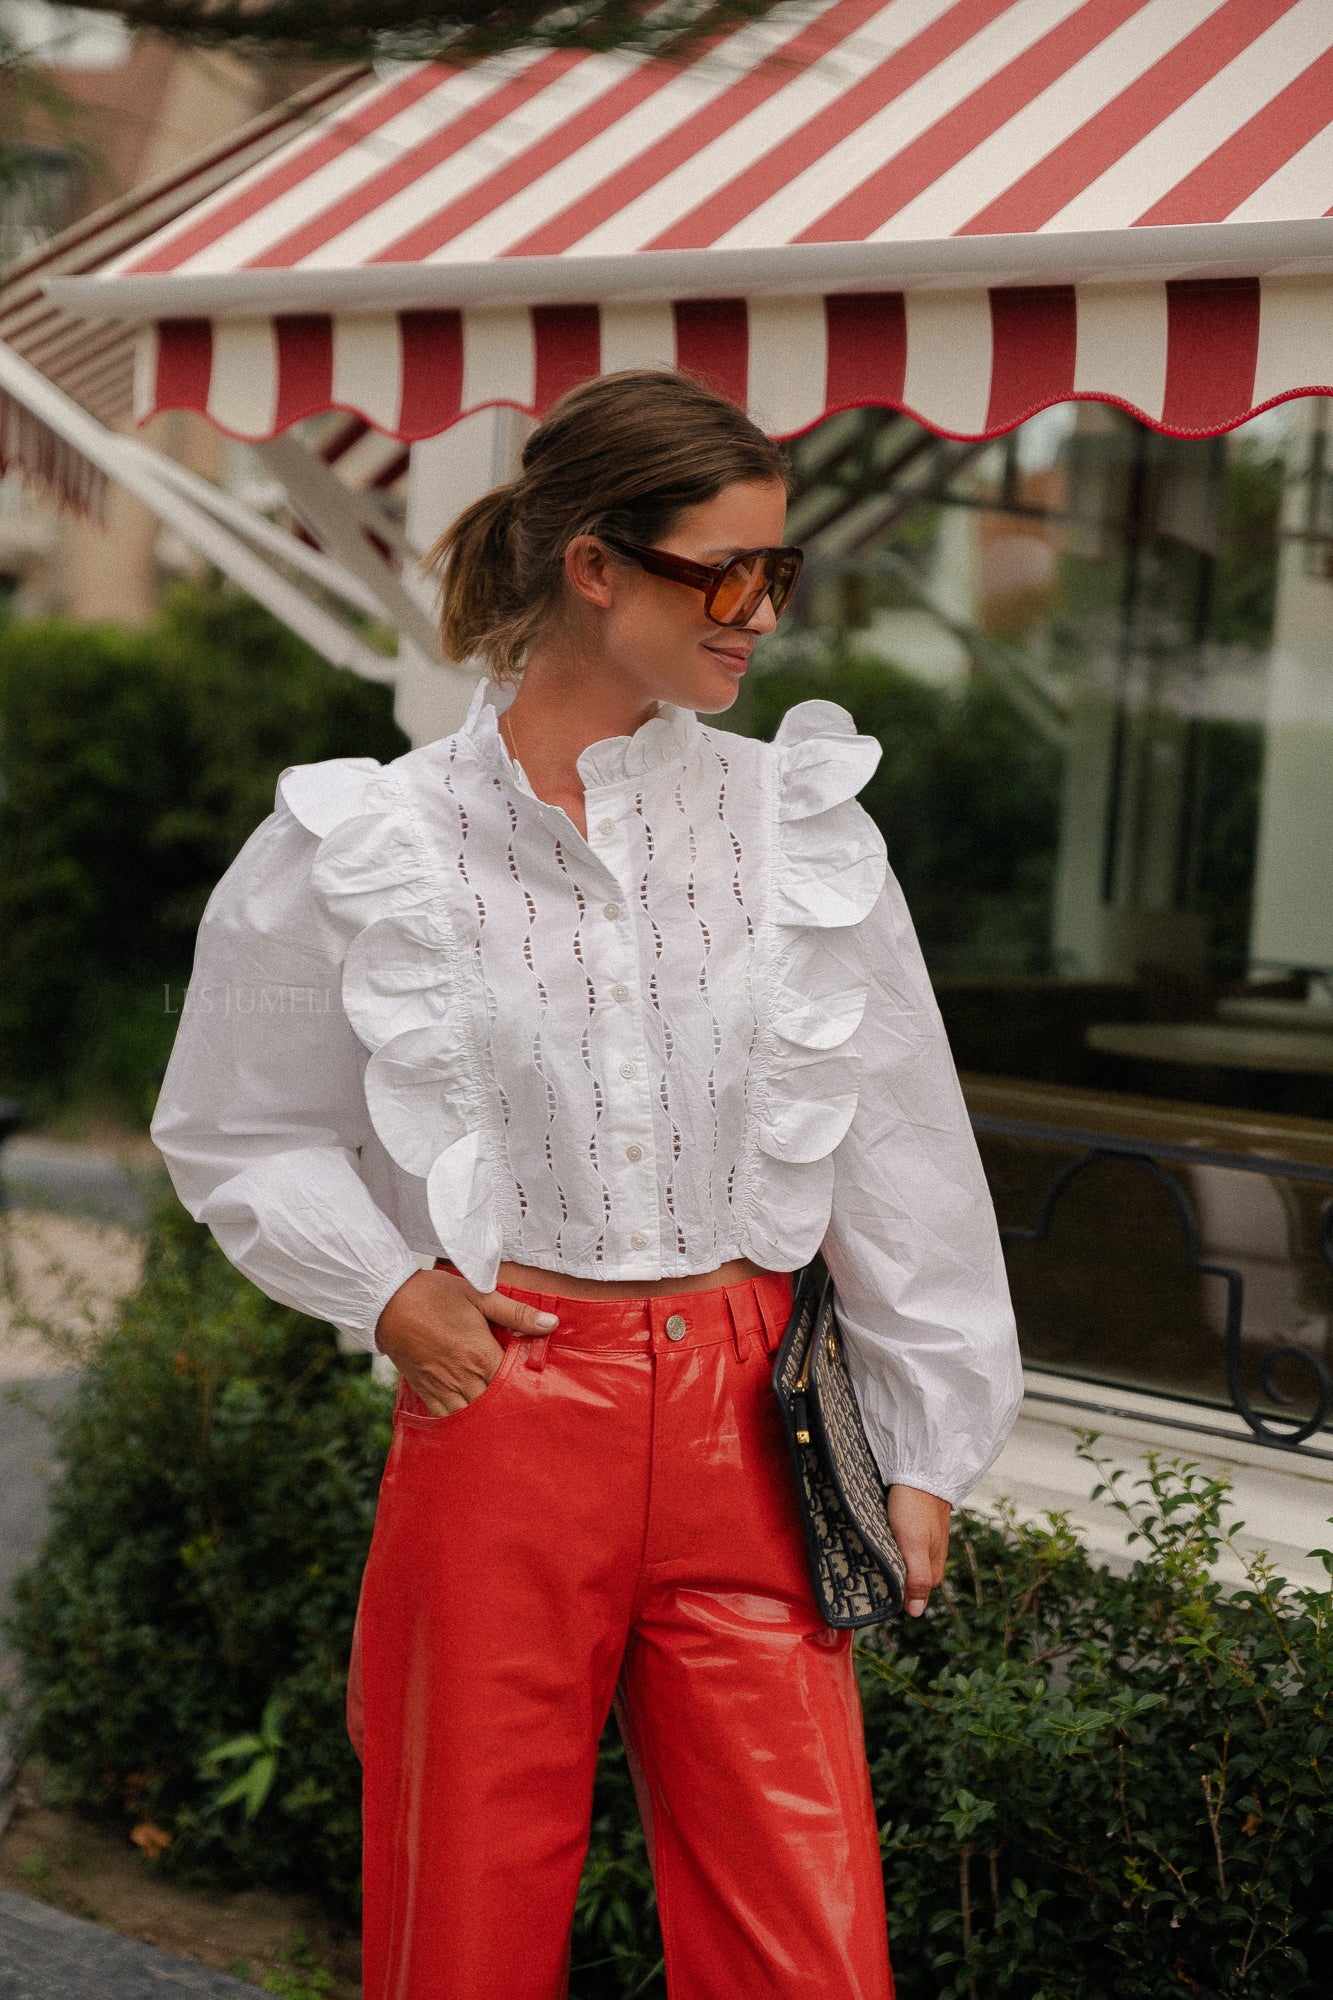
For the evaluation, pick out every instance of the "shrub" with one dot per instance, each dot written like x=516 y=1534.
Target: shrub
x=133 y=764
x=1104 y=1787
x=220 y=1467
x=1091 y=1786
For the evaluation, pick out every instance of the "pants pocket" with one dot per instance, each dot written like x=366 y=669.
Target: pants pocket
x=411 y=1414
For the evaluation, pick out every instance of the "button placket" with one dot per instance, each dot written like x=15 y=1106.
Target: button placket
x=604 y=814
x=612 y=944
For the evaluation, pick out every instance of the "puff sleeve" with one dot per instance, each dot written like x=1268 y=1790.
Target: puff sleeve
x=262 y=1106
x=912 y=1243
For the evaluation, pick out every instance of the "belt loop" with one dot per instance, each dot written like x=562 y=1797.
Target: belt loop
x=536 y=1355
x=774 y=1318
x=745 y=1318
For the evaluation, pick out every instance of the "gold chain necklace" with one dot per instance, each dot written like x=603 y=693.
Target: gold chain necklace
x=508 y=735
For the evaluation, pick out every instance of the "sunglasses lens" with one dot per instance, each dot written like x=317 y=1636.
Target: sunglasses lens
x=787 y=567
x=740 y=590
x=748 y=580
x=745 y=583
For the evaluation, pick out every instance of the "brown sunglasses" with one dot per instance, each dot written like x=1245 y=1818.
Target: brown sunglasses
x=734 y=591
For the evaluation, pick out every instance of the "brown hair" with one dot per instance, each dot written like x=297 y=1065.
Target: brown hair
x=625 y=455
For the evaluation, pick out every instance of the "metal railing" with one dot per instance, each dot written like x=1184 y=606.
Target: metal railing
x=1154 y=1157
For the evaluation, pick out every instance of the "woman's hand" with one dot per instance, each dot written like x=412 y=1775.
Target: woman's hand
x=920 y=1524
x=434 y=1330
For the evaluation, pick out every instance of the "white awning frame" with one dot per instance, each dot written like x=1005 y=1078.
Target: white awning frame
x=1187 y=250
x=254 y=552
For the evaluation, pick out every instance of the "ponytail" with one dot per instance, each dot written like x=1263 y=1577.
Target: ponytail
x=481 y=609
x=625 y=454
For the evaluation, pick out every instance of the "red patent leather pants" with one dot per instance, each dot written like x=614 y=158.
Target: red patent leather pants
x=612 y=1519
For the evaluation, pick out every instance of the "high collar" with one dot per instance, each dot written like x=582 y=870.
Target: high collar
x=665 y=741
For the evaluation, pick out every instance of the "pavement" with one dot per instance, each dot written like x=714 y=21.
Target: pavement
x=25 y=1455
x=45 y=1955
x=72 y=1209
x=89 y=1181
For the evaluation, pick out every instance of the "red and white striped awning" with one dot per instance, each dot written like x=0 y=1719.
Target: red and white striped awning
x=967 y=209
x=95 y=364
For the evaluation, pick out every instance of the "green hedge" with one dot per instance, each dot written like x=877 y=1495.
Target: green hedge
x=1101 y=1787
x=1091 y=1787
x=133 y=765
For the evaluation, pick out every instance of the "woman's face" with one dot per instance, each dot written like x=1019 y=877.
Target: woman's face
x=653 y=632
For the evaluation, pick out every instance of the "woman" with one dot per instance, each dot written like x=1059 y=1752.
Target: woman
x=619 y=1017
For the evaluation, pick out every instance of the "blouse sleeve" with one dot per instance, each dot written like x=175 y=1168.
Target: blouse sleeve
x=262 y=1109
x=912 y=1247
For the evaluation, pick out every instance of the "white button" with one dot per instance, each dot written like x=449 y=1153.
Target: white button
x=619 y=992
x=605 y=826
x=675 y=1327
x=638 y=1242
x=634 y=1153
x=629 y=1069
x=611 y=910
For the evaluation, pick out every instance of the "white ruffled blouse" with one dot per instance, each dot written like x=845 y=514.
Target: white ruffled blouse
x=428 y=1017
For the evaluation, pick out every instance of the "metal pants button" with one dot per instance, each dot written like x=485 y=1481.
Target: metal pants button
x=675 y=1327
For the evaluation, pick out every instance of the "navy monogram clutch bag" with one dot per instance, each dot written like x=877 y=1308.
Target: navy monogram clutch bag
x=855 y=1561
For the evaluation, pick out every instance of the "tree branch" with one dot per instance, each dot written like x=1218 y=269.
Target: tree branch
x=457 y=30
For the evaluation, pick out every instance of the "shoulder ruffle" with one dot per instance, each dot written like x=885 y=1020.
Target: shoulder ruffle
x=400 y=994
x=320 y=795
x=829 y=865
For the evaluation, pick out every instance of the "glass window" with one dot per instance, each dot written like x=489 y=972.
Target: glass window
x=1100 y=661
x=36 y=188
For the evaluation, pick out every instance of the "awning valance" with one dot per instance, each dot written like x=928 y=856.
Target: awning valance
x=1190 y=357
x=963 y=208
x=30 y=447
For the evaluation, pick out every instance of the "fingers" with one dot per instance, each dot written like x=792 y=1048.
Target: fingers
x=436 y=1334
x=501 y=1310
x=922 y=1571
x=447 y=1379
x=437 y=1331
x=921 y=1579
x=920 y=1523
x=491 y=1309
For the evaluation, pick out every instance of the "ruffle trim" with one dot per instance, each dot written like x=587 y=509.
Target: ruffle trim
x=829 y=866
x=672 y=736
x=423 y=1089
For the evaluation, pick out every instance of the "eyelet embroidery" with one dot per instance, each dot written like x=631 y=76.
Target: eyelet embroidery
x=482 y=976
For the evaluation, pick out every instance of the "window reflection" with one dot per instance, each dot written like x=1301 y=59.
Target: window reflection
x=1101 y=664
